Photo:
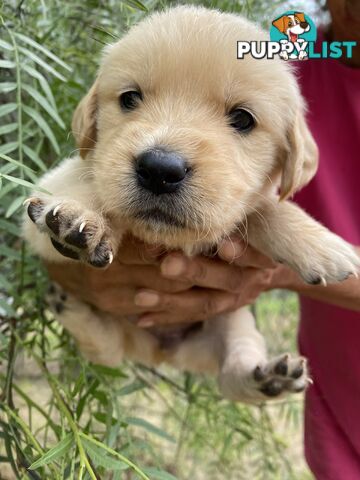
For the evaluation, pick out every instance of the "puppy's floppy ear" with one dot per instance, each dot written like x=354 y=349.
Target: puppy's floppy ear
x=279 y=23
x=84 y=122
x=300 y=16
x=301 y=158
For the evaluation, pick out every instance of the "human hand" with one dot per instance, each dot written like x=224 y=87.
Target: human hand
x=113 y=290
x=219 y=285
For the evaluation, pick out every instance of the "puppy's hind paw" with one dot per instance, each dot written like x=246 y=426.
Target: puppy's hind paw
x=282 y=375
x=273 y=379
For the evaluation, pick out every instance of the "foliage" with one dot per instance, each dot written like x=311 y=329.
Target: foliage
x=65 y=418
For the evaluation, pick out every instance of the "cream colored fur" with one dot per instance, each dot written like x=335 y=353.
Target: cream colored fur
x=184 y=61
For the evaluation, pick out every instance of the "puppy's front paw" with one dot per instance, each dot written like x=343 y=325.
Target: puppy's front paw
x=325 y=258
x=75 y=232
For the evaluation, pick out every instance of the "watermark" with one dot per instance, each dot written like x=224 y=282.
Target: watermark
x=293 y=37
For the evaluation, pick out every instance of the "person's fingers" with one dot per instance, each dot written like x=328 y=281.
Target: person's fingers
x=135 y=252
x=207 y=272
x=236 y=252
x=117 y=301
x=189 y=306
x=69 y=277
x=149 y=276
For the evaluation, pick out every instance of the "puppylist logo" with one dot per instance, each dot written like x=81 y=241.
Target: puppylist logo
x=293 y=37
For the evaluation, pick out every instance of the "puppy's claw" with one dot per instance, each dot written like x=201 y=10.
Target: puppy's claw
x=323 y=281
x=82 y=226
x=29 y=200
x=56 y=209
x=111 y=258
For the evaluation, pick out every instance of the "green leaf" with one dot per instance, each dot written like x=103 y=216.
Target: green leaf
x=7 y=188
x=103 y=418
x=6 y=87
x=8 y=148
x=10 y=127
x=5 y=45
x=22 y=182
x=158 y=474
x=4 y=305
x=42 y=80
x=54 y=453
x=14 y=205
x=15 y=162
x=9 y=253
x=41 y=63
x=7 y=108
x=131 y=388
x=41 y=100
x=43 y=125
x=9 y=227
x=7 y=64
x=137 y=4
x=101 y=458
x=4 y=282
x=7 y=168
x=140 y=422
x=102 y=397
x=110 y=371
x=44 y=50
x=34 y=157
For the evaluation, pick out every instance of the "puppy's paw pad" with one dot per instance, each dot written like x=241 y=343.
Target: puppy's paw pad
x=64 y=217
x=102 y=255
x=53 y=220
x=57 y=298
x=78 y=238
x=281 y=375
x=64 y=250
x=35 y=208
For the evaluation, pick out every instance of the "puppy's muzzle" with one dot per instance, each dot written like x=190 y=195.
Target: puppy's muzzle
x=161 y=171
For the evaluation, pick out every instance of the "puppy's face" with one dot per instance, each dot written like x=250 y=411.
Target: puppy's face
x=185 y=138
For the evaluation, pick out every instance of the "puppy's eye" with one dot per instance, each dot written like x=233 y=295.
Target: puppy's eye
x=130 y=100
x=242 y=120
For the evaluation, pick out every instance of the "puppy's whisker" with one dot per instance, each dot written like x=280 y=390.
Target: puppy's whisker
x=78 y=150
x=83 y=135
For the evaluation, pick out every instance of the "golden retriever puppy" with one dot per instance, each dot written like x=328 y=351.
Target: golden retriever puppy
x=182 y=144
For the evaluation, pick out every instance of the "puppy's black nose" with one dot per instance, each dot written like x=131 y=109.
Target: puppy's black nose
x=160 y=171
x=304 y=25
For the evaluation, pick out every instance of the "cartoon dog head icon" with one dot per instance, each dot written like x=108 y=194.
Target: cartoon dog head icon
x=292 y=25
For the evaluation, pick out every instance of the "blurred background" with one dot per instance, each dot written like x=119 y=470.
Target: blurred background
x=74 y=419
